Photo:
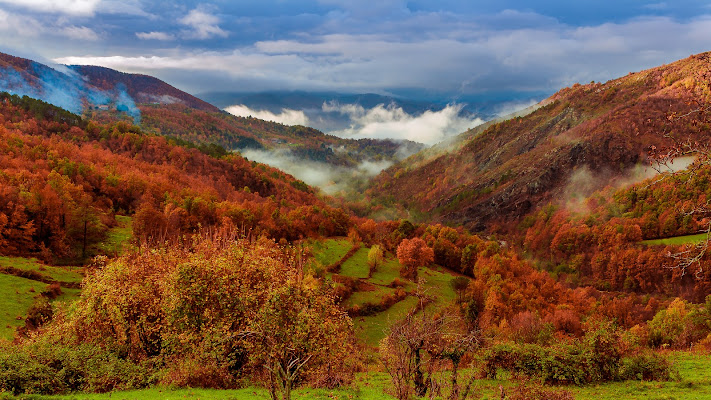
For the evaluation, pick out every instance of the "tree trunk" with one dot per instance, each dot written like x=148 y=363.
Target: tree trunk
x=455 y=385
x=420 y=387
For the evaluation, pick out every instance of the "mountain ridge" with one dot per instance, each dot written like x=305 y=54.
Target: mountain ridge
x=514 y=166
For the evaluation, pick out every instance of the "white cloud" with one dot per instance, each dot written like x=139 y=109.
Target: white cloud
x=286 y=116
x=203 y=24
x=71 y=7
x=19 y=25
x=381 y=122
x=28 y=27
x=79 y=33
x=155 y=36
x=466 y=59
x=327 y=177
x=126 y=7
x=508 y=108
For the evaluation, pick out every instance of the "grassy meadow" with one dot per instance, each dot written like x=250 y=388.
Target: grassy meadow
x=694 y=383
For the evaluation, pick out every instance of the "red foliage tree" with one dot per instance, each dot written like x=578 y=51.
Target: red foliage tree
x=412 y=254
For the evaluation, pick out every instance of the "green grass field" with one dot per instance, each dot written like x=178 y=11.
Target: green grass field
x=117 y=238
x=368 y=296
x=329 y=251
x=17 y=294
x=16 y=297
x=678 y=240
x=370 y=329
x=387 y=272
x=357 y=265
x=695 y=383
x=62 y=274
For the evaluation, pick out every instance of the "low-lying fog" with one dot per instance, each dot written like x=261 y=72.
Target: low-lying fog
x=382 y=121
x=353 y=121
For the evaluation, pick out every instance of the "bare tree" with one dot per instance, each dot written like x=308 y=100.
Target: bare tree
x=421 y=345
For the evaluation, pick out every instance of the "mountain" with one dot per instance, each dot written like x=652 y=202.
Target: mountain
x=240 y=133
x=580 y=139
x=276 y=101
x=142 y=88
x=105 y=95
x=63 y=180
x=81 y=88
x=486 y=105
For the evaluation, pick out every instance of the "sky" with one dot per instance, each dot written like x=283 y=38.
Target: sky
x=439 y=49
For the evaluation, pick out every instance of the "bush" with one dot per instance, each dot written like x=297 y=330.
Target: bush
x=537 y=392
x=678 y=326
x=527 y=327
x=561 y=364
x=215 y=312
x=646 y=367
x=46 y=367
x=578 y=363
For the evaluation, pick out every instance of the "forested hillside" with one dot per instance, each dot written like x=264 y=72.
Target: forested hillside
x=64 y=179
x=585 y=137
x=240 y=133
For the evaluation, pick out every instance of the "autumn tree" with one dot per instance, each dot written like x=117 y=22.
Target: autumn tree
x=422 y=344
x=413 y=254
x=375 y=256
x=300 y=326
x=217 y=309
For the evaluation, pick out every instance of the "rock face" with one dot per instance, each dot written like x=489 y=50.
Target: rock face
x=584 y=138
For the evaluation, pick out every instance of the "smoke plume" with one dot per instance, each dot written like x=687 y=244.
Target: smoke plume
x=66 y=89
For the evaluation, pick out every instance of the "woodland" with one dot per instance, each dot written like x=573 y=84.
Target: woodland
x=151 y=256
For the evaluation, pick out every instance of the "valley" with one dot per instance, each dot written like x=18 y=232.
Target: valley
x=143 y=252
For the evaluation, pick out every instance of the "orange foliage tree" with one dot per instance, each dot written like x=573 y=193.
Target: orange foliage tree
x=412 y=254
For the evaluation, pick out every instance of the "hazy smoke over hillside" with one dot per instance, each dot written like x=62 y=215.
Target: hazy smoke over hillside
x=583 y=182
x=66 y=90
x=286 y=116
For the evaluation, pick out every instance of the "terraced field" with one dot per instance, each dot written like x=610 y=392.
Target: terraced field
x=369 y=305
x=22 y=280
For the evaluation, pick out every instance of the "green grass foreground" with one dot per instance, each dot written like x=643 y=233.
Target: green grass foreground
x=694 y=368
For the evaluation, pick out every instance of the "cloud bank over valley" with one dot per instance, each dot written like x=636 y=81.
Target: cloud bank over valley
x=354 y=121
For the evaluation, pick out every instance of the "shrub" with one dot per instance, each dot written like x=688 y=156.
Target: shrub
x=213 y=311
x=537 y=392
x=679 y=325
x=48 y=367
x=581 y=362
x=568 y=321
x=527 y=327
x=646 y=367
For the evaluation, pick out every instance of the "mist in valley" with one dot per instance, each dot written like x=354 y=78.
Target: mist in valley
x=354 y=121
